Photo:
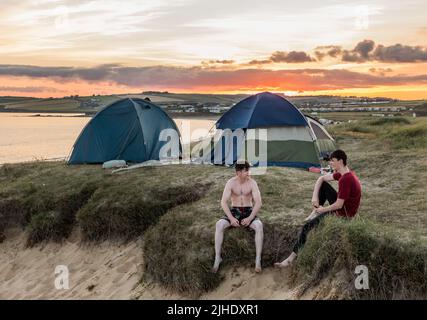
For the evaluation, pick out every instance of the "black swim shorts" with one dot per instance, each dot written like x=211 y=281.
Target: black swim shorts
x=240 y=213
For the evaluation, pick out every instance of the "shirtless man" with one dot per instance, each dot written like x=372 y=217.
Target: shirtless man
x=242 y=190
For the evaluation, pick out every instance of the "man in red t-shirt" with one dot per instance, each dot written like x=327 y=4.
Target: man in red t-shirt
x=343 y=204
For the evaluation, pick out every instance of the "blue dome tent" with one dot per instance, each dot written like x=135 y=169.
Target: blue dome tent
x=292 y=139
x=128 y=129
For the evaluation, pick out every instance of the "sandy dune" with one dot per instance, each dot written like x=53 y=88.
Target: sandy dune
x=239 y=284
x=104 y=271
x=112 y=271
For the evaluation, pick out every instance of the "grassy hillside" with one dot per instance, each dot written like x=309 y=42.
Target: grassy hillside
x=175 y=208
x=45 y=105
x=92 y=104
x=51 y=105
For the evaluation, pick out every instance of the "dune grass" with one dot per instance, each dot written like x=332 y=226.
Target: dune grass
x=50 y=199
x=397 y=133
x=389 y=121
x=125 y=212
x=397 y=266
x=182 y=262
x=175 y=208
x=414 y=136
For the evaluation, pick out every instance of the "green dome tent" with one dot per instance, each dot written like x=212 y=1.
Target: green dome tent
x=292 y=139
x=128 y=129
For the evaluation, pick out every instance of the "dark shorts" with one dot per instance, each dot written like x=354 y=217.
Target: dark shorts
x=241 y=213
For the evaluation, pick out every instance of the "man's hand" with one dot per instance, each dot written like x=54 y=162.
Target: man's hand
x=234 y=222
x=315 y=203
x=245 y=222
x=319 y=210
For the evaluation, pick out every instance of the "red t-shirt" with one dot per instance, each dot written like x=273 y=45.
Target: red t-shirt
x=349 y=190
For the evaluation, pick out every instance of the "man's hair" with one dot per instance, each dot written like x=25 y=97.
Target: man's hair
x=241 y=165
x=339 y=155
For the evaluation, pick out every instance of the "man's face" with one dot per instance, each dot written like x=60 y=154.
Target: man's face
x=335 y=164
x=242 y=173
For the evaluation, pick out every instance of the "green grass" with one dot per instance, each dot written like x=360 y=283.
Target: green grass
x=50 y=199
x=56 y=221
x=125 y=213
x=397 y=133
x=45 y=105
x=397 y=267
x=409 y=137
x=389 y=121
x=189 y=249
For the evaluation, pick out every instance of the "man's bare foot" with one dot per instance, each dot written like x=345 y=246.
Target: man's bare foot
x=287 y=262
x=258 y=267
x=217 y=262
x=283 y=264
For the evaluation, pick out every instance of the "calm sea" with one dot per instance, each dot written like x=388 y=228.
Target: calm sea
x=26 y=137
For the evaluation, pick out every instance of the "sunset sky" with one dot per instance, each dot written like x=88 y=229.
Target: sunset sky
x=62 y=47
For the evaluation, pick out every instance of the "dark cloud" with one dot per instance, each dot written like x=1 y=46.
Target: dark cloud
x=221 y=61
x=291 y=57
x=259 y=62
x=192 y=78
x=400 y=53
x=360 y=53
x=380 y=71
x=96 y=73
x=319 y=55
x=217 y=63
x=366 y=50
x=364 y=47
x=330 y=51
x=284 y=57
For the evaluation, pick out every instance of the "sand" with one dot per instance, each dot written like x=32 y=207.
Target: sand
x=111 y=271
x=104 y=271
x=239 y=284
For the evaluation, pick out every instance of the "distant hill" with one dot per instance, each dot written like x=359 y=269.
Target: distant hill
x=92 y=104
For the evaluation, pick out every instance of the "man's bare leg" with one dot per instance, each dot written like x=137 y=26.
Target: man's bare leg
x=259 y=239
x=287 y=262
x=312 y=215
x=221 y=225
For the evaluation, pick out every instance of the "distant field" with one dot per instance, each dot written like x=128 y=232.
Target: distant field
x=346 y=116
x=63 y=105
x=153 y=98
x=4 y=100
x=59 y=105
x=203 y=98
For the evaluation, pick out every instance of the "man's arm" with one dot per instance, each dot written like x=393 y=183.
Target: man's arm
x=226 y=195
x=256 y=197
x=333 y=207
x=315 y=198
x=343 y=194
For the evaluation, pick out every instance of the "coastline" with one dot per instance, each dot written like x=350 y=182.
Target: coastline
x=76 y=114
